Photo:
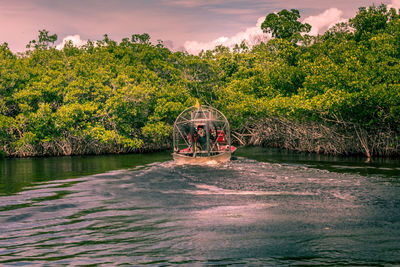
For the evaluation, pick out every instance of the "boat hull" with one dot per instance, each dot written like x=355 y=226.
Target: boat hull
x=215 y=159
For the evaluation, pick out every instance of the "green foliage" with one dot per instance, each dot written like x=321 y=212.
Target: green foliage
x=285 y=25
x=43 y=41
x=341 y=32
x=372 y=20
x=120 y=97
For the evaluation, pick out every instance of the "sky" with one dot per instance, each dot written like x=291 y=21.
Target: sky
x=190 y=25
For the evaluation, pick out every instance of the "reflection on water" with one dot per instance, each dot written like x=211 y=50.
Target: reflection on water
x=18 y=173
x=268 y=207
x=378 y=166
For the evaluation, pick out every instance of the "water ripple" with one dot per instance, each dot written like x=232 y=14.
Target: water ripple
x=240 y=213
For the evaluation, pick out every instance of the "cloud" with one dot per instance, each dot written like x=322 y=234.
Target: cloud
x=254 y=35
x=394 y=4
x=320 y=23
x=75 y=39
x=184 y=3
x=233 y=11
x=176 y=20
x=169 y=44
x=251 y=36
x=211 y=3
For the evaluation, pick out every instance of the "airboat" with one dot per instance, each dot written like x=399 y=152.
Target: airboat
x=202 y=136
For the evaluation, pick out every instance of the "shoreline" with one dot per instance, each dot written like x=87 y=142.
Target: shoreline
x=254 y=141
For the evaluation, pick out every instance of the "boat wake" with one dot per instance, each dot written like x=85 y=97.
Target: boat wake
x=240 y=212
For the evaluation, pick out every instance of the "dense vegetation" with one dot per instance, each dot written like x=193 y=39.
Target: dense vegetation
x=336 y=93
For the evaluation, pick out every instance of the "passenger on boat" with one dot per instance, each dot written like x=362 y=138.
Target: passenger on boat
x=201 y=137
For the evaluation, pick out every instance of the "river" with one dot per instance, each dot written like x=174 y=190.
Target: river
x=266 y=207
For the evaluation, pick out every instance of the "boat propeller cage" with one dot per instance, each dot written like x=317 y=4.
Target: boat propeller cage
x=201 y=132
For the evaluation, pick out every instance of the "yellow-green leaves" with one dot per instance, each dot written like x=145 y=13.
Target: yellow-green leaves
x=120 y=97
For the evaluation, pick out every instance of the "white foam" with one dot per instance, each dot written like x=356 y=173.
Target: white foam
x=213 y=190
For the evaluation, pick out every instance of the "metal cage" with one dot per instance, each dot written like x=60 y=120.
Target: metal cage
x=201 y=132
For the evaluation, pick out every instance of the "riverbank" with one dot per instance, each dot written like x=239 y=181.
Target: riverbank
x=60 y=149
x=333 y=139
x=338 y=93
x=270 y=133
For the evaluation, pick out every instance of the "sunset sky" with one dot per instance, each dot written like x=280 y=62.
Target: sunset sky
x=182 y=24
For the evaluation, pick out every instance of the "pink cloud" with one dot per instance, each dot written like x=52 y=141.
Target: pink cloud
x=232 y=11
x=190 y=3
x=324 y=21
x=395 y=4
x=75 y=39
x=251 y=36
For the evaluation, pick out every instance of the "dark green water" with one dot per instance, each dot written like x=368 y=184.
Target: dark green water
x=267 y=207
